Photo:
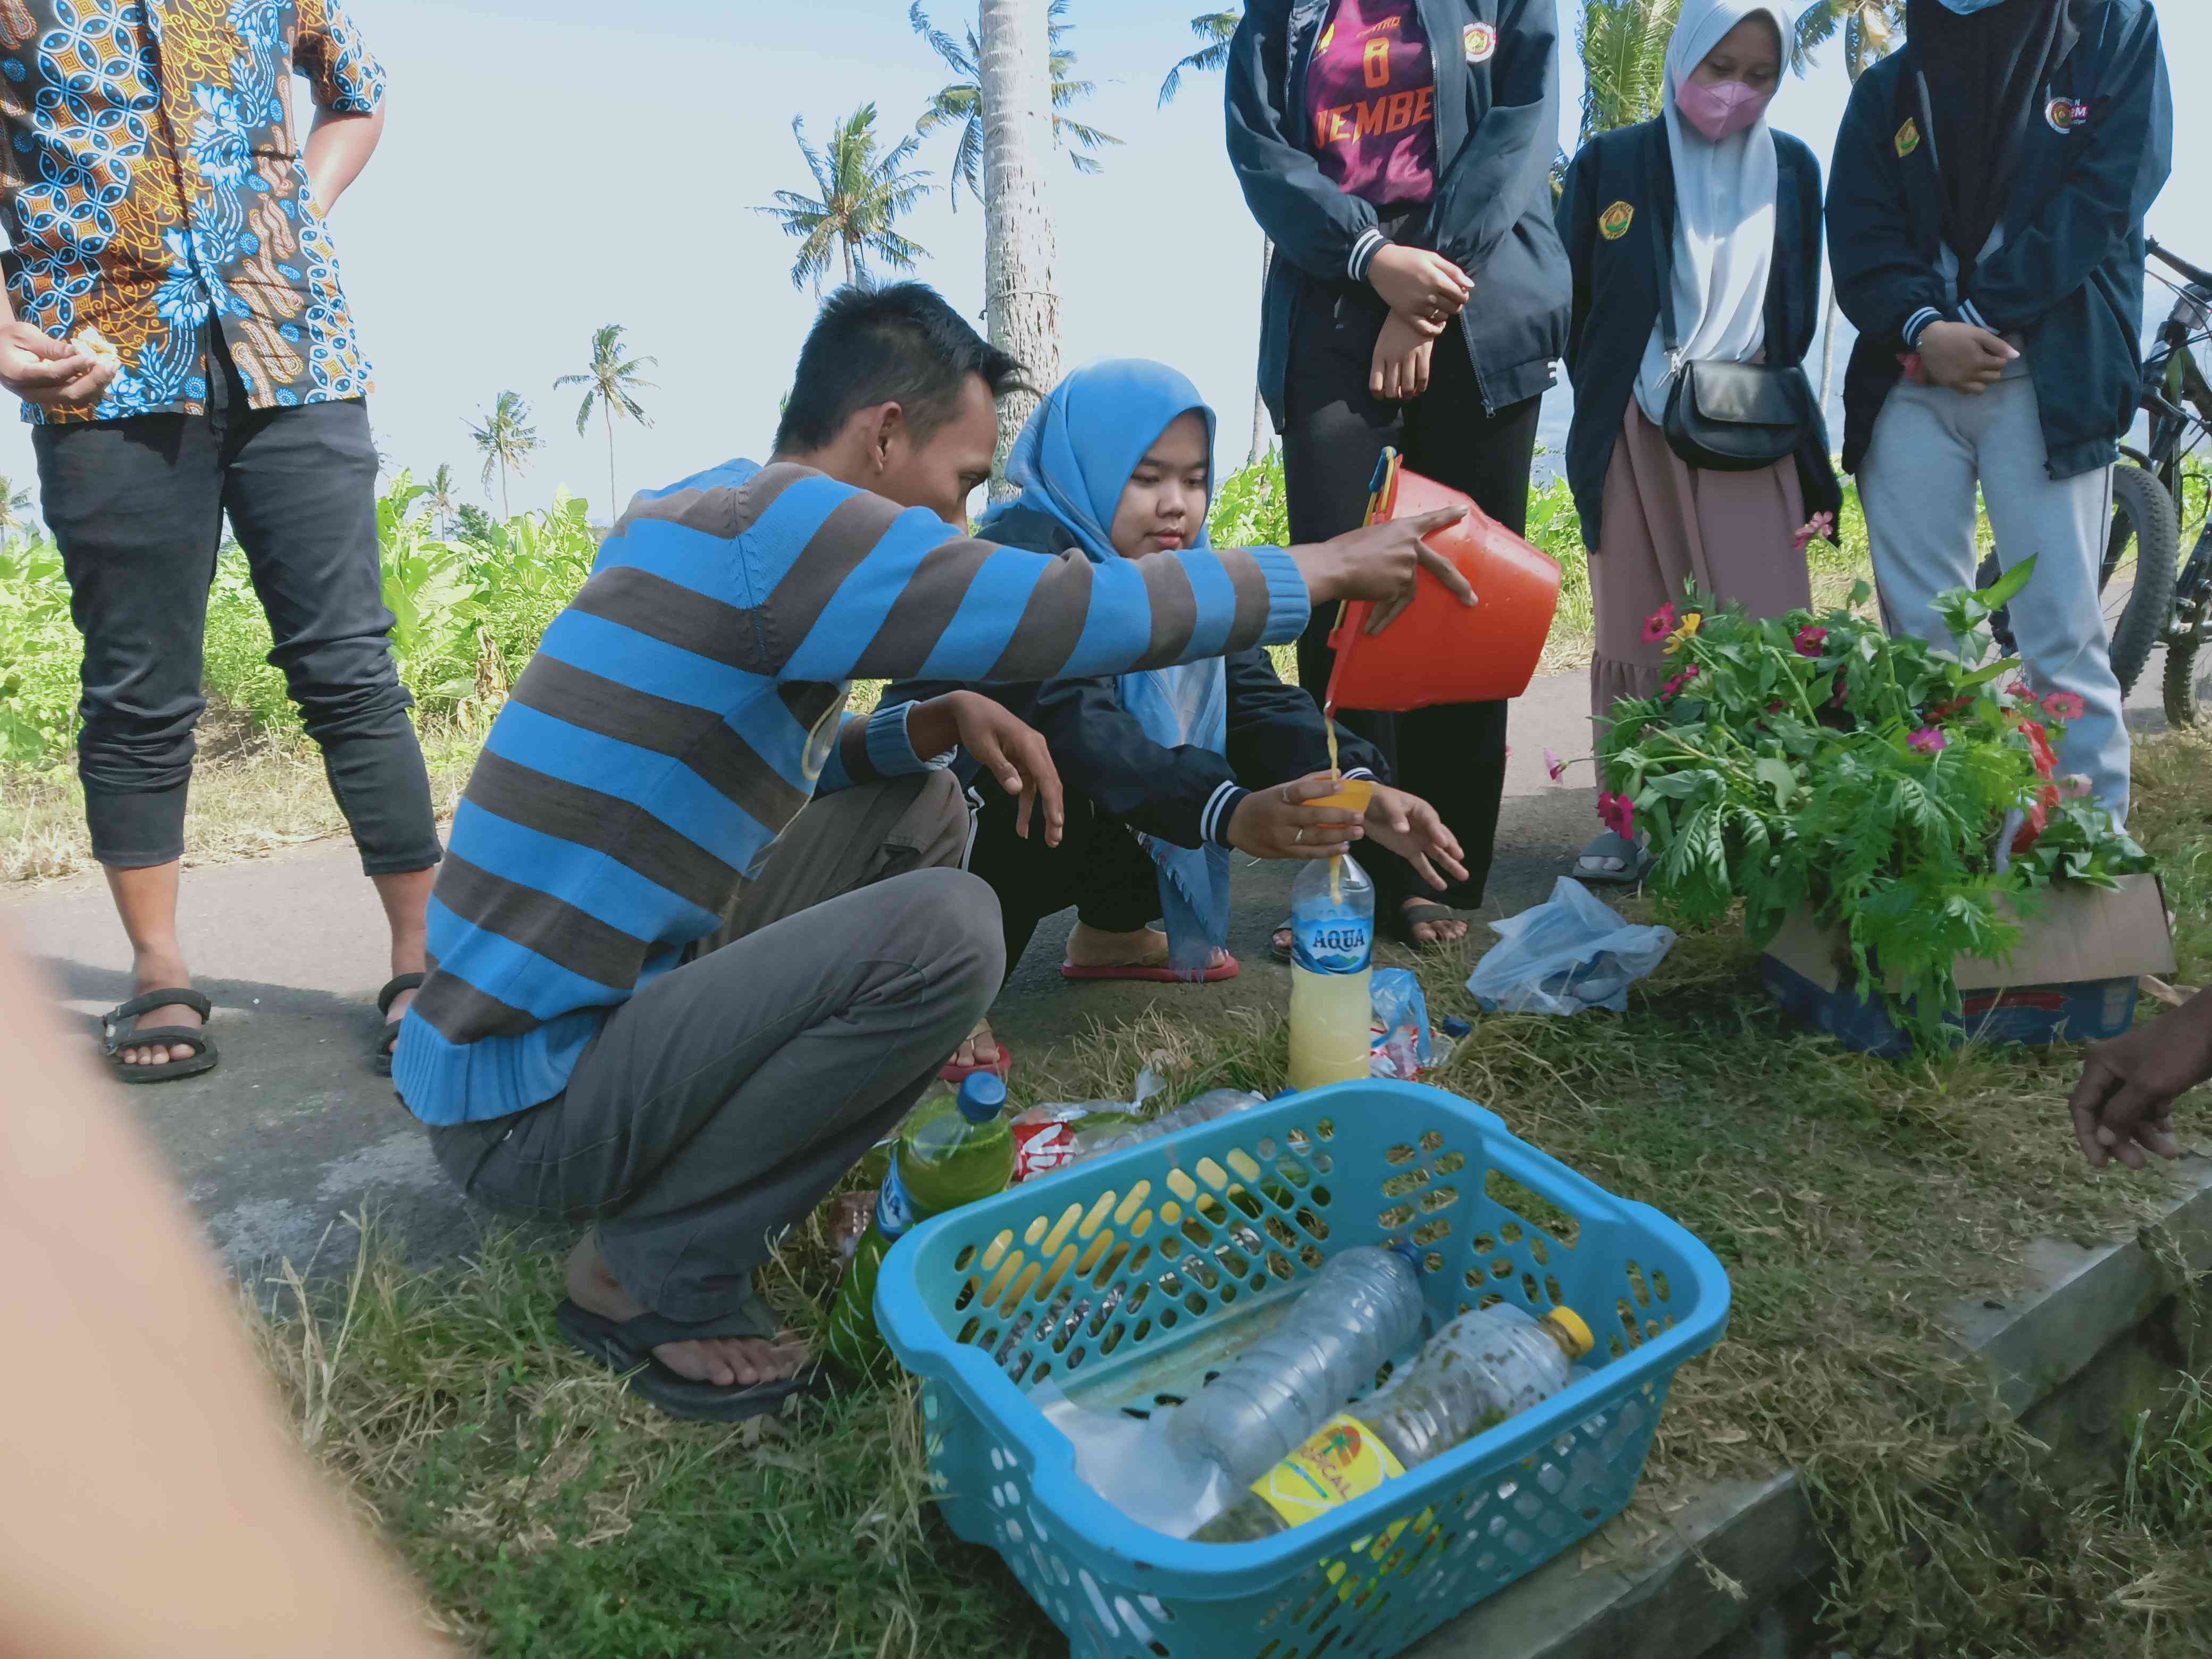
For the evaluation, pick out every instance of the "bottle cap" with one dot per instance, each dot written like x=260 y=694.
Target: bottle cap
x=1569 y=1324
x=981 y=1095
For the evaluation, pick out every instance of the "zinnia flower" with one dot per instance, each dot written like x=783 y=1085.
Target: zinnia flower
x=1618 y=814
x=2022 y=691
x=1680 y=637
x=1659 y=624
x=1821 y=524
x=1555 y=765
x=1678 y=682
x=1929 y=741
x=2074 y=786
x=2064 y=706
x=2039 y=744
x=1810 y=640
x=1842 y=690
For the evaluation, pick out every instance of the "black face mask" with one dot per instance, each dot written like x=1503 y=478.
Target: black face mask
x=1985 y=74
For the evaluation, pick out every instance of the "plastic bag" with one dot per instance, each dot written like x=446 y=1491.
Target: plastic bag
x=1572 y=952
x=1044 y=1136
x=1398 y=1039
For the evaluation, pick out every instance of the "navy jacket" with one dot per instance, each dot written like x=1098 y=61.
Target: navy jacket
x=1186 y=794
x=1497 y=122
x=2069 y=276
x=1619 y=281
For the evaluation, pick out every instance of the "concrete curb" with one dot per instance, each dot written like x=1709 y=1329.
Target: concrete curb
x=2075 y=1305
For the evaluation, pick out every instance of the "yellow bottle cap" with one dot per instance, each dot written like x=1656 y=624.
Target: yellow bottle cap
x=1570 y=1325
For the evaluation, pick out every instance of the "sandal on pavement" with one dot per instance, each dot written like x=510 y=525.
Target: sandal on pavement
x=627 y=1345
x=119 y=1029
x=1404 y=918
x=1613 y=860
x=1283 y=941
x=955 y=1073
x=1154 y=969
x=379 y=1054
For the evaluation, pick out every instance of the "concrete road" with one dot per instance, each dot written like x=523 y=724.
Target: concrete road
x=294 y=1131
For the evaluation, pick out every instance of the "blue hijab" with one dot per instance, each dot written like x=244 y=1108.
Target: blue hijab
x=1071 y=463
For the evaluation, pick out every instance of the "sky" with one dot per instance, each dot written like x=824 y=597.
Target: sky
x=548 y=166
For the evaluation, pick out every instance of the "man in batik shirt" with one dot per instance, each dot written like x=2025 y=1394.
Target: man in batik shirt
x=179 y=338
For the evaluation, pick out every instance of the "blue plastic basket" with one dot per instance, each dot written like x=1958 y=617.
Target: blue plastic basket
x=1133 y=1277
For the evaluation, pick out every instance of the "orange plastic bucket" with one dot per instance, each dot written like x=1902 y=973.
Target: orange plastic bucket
x=1440 y=651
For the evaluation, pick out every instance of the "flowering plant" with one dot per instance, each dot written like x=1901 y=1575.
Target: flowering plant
x=1890 y=787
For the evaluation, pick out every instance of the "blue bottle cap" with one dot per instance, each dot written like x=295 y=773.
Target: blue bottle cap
x=981 y=1095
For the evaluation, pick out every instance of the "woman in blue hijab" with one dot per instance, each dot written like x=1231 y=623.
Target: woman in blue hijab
x=1166 y=770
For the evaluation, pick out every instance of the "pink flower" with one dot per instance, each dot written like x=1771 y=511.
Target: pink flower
x=2074 y=786
x=1811 y=640
x=1618 y=814
x=1678 y=682
x=1929 y=741
x=2022 y=691
x=1555 y=765
x=2064 y=705
x=1836 y=701
x=1659 y=624
x=1821 y=524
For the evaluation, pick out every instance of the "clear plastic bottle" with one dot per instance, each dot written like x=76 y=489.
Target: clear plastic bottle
x=1479 y=1370
x=951 y=1150
x=1095 y=1138
x=1332 y=961
x=1363 y=1307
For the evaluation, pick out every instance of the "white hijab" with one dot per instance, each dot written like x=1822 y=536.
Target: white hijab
x=1724 y=214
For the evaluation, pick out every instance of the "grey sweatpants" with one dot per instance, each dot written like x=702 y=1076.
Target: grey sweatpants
x=1930 y=448
x=718 y=1105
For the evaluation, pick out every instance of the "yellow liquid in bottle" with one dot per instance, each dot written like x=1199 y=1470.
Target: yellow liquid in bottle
x=1335 y=871
x=1330 y=1015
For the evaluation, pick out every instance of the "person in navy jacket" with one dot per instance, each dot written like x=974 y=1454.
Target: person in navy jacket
x=1985 y=223
x=1732 y=207
x=1397 y=153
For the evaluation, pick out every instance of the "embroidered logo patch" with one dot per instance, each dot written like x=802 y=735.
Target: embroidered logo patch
x=1908 y=136
x=1481 y=41
x=2064 y=115
x=1613 y=224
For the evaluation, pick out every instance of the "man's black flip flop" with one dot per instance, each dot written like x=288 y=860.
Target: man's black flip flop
x=1403 y=919
x=387 y=1037
x=119 y=1029
x=627 y=1345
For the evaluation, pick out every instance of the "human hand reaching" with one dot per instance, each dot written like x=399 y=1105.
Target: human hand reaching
x=1009 y=749
x=1414 y=829
x=2124 y=1105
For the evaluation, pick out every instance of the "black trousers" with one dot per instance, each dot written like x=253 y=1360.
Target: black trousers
x=1452 y=757
x=1099 y=867
x=138 y=506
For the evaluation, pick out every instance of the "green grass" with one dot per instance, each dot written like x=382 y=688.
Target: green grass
x=1852 y=1201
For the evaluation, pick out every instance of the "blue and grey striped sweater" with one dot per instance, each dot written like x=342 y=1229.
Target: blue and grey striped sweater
x=689 y=701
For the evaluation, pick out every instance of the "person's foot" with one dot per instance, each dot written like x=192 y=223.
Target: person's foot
x=1448 y=930
x=1147 y=947
x=154 y=974
x=724 y=1361
x=981 y=1050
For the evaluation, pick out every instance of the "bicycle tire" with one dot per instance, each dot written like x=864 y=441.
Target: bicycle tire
x=2142 y=501
x=2184 y=704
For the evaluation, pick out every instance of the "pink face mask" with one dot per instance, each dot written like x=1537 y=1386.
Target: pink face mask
x=1722 y=111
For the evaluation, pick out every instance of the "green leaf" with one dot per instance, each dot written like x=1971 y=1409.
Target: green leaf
x=2006 y=588
x=1779 y=776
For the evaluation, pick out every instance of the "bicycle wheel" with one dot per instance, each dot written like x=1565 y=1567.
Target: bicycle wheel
x=2137 y=581
x=2192 y=615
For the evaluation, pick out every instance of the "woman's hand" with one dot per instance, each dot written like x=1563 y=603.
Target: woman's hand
x=1411 y=828
x=1425 y=287
x=1275 y=823
x=1401 y=371
x=1963 y=358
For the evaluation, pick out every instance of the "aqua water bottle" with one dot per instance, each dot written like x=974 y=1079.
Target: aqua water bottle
x=1332 y=960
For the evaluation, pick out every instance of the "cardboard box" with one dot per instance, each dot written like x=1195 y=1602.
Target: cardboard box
x=2072 y=975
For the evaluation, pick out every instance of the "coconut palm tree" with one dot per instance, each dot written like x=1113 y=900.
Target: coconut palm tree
x=1871 y=30
x=1215 y=29
x=440 y=499
x=609 y=384
x=14 y=509
x=1624 y=50
x=961 y=104
x=506 y=440
x=864 y=189
x=1013 y=59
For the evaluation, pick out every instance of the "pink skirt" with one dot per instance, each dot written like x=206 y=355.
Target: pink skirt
x=1667 y=524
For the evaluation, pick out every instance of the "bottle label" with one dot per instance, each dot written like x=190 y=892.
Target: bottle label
x=1333 y=945
x=894 y=1212
x=1343 y=1461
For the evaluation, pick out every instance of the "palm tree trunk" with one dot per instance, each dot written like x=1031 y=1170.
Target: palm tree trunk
x=1263 y=428
x=505 y=511
x=614 y=505
x=846 y=248
x=1019 y=250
